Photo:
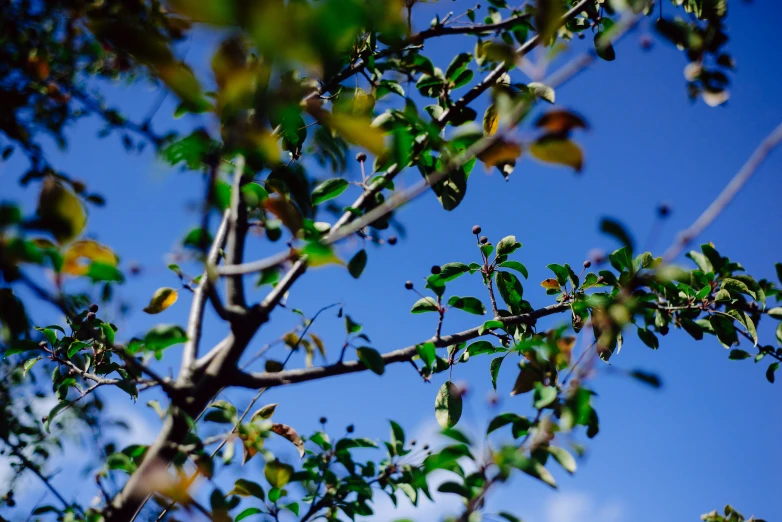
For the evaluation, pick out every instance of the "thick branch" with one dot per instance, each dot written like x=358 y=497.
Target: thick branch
x=265 y=379
x=237 y=235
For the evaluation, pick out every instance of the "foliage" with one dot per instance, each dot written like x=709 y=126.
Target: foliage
x=291 y=81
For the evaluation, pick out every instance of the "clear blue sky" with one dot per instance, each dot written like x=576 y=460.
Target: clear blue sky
x=710 y=436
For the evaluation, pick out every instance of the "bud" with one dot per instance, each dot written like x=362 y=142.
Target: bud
x=476 y=230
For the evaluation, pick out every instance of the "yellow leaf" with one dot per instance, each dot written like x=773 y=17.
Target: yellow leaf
x=60 y=211
x=80 y=254
x=163 y=298
x=550 y=284
x=551 y=149
x=358 y=131
x=500 y=152
x=491 y=120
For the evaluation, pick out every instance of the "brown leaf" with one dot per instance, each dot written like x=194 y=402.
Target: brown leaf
x=560 y=121
x=265 y=412
x=526 y=380
x=500 y=152
x=286 y=212
x=283 y=430
x=550 y=284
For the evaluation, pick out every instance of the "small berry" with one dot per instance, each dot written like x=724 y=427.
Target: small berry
x=484 y=240
x=323 y=420
x=646 y=42
x=412 y=442
x=361 y=157
x=94 y=308
x=409 y=285
x=42 y=344
x=90 y=316
x=587 y=263
x=664 y=210
x=436 y=270
x=476 y=230
x=351 y=429
x=392 y=240
x=426 y=447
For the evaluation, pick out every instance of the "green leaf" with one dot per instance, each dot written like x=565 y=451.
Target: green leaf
x=458 y=65
x=63 y=405
x=448 y=405
x=278 y=473
x=357 y=263
x=425 y=304
x=247 y=488
x=724 y=329
x=329 y=189
x=544 y=396
x=647 y=378
x=603 y=47
x=468 y=304
x=510 y=290
x=507 y=246
x=501 y=420
x=162 y=336
x=738 y=355
x=559 y=271
x=770 y=371
x=247 y=512
x=775 y=312
x=20 y=346
x=494 y=369
x=427 y=352
x=735 y=286
x=648 y=338
x=371 y=359
x=515 y=265
x=544 y=92
x=617 y=230
x=480 y=347
x=489 y=325
x=351 y=326
x=564 y=458
x=450 y=271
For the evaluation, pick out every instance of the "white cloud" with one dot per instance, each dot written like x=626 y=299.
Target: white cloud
x=581 y=507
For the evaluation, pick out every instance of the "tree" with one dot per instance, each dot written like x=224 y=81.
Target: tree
x=293 y=91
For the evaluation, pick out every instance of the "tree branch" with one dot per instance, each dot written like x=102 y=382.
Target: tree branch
x=269 y=380
x=237 y=234
x=726 y=196
x=195 y=321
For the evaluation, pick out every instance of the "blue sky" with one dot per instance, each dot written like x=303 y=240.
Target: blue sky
x=709 y=437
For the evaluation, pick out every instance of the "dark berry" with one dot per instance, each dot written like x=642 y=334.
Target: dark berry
x=361 y=157
x=484 y=240
x=587 y=263
x=392 y=240
x=90 y=316
x=94 y=308
x=323 y=420
x=409 y=285
x=476 y=230
x=436 y=270
x=351 y=429
x=664 y=210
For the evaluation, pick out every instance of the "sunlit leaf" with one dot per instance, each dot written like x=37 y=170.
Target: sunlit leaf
x=161 y=299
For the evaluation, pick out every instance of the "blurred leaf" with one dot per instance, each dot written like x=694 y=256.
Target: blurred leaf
x=161 y=299
x=329 y=189
x=278 y=473
x=553 y=149
x=60 y=211
x=357 y=263
x=371 y=359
